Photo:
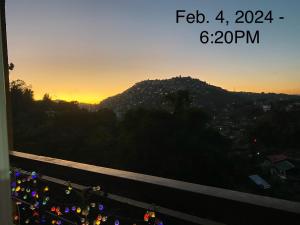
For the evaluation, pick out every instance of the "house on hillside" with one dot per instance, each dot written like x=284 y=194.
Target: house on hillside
x=277 y=165
x=266 y=108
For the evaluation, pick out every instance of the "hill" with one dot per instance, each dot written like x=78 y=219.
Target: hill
x=152 y=94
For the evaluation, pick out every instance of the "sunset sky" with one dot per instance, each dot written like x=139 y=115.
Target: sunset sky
x=87 y=50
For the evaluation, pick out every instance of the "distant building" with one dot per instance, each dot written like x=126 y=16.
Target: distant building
x=89 y=107
x=276 y=158
x=277 y=165
x=281 y=168
x=50 y=113
x=266 y=108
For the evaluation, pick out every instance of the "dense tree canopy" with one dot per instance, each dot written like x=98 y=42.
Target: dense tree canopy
x=178 y=144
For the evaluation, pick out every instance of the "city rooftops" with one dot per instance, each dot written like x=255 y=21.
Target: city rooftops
x=276 y=158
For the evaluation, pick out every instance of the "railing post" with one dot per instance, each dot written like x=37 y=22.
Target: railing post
x=5 y=197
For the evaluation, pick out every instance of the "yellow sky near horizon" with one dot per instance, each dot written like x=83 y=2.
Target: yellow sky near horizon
x=89 y=92
x=73 y=50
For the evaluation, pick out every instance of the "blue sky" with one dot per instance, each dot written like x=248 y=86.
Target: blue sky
x=87 y=50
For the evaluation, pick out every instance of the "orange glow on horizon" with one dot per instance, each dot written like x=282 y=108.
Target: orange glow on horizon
x=94 y=84
x=98 y=50
x=80 y=99
x=84 y=96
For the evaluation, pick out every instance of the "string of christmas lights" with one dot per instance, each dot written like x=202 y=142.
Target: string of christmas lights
x=37 y=203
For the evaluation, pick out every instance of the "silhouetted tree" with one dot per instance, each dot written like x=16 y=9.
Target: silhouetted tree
x=180 y=100
x=180 y=145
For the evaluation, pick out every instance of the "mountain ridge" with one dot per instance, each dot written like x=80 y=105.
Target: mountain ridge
x=153 y=94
